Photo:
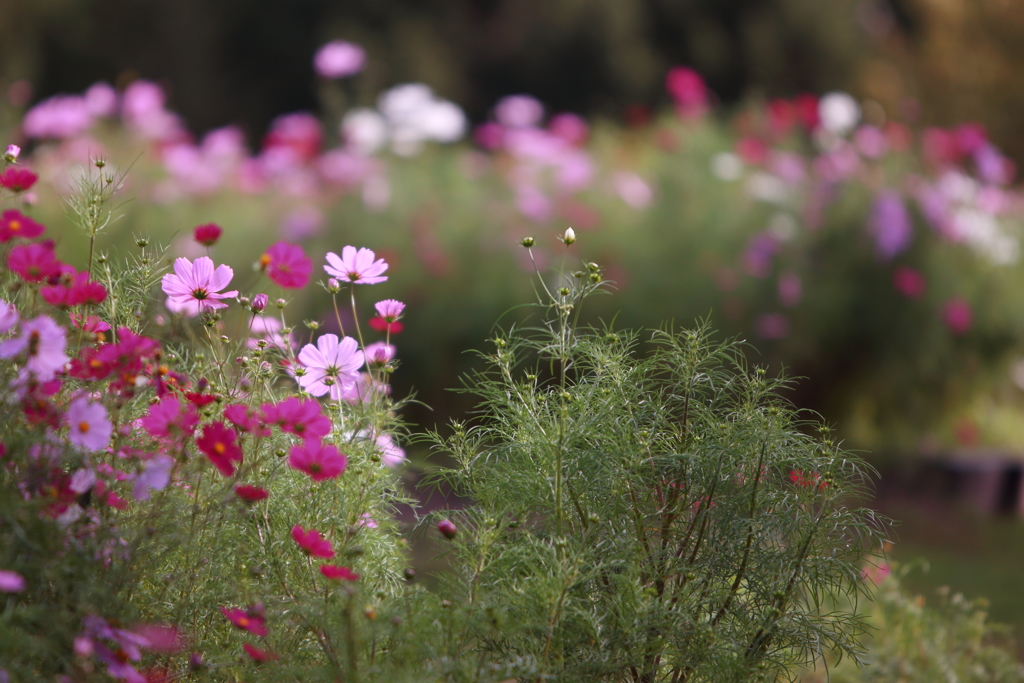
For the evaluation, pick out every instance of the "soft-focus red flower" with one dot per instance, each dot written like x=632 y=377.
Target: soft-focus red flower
x=379 y=324
x=250 y=493
x=34 y=262
x=687 y=89
x=15 y=224
x=811 y=480
x=338 y=573
x=287 y=265
x=259 y=655
x=312 y=542
x=18 y=178
x=207 y=235
x=319 y=460
x=219 y=443
x=74 y=289
x=245 y=621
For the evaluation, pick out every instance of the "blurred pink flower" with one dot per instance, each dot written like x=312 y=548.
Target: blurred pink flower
x=688 y=91
x=338 y=59
x=312 y=542
x=889 y=223
x=88 y=425
x=519 y=111
x=170 y=419
x=8 y=316
x=569 y=127
x=287 y=265
x=772 y=326
x=62 y=116
x=909 y=282
x=11 y=582
x=45 y=342
x=13 y=224
x=338 y=573
x=958 y=316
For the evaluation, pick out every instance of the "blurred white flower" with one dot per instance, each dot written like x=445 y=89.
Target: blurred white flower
x=726 y=166
x=839 y=113
x=364 y=130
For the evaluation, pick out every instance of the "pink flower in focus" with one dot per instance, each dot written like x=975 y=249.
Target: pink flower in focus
x=11 y=582
x=379 y=353
x=287 y=265
x=170 y=419
x=34 y=262
x=245 y=621
x=195 y=287
x=15 y=224
x=89 y=427
x=319 y=460
x=312 y=542
x=302 y=417
x=338 y=573
x=207 y=235
x=389 y=309
x=338 y=59
x=17 y=179
x=958 y=316
x=219 y=443
x=357 y=267
x=44 y=341
x=909 y=282
x=330 y=366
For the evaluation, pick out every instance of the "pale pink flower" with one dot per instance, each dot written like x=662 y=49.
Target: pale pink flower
x=89 y=427
x=8 y=316
x=331 y=366
x=45 y=342
x=389 y=309
x=358 y=267
x=11 y=582
x=338 y=59
x=195 y=287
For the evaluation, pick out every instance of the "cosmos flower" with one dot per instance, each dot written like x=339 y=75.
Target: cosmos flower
x=312 y=542
x=287 y=265
x=358 y=267
x=245 y=621
x=219 y=443
x=338 y=573
x=89 y=427
x=44 y=342
x=13 y=224
x=338 y=59
x=207 y=235
x=196 y=287
x=330 y=366
x=319 y=460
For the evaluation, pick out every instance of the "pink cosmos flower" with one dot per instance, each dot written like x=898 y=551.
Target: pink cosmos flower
x=13 y=224
x=11 y=582
x=358 y=267
x=12 y=153
x=956 y=313
x=287 y=265
x=74 y=289
x=259 y=655
x=319 y=460
x=8 y=317
x=89 y=427
x=154 y=476
x=338 y=573
x=44 y=341
x=17 y=179
x=246 y=419
x=338 y=59
x=250 y=493
x=170 y=419
x=379 y=353
x=259 y=303
x=196 y=287
x=302 y=417
x=219 y=443
x=312 y=542
x=389 y=309
x=330 y=366
x=207 y=235
x=34 y=262
x=909 y=282
x=245 y=621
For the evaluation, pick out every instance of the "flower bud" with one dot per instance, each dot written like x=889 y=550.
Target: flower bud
x=280 y=303
x=11 y=155
x=527 y=242
x=569 y=237
x=333 y=286
x=447 y=528
x=259 y=302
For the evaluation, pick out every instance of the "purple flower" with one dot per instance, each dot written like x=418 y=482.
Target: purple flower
x=196 y=287
x=338 y=59
x=357 y=267
x=11 y=582
x=89 y=427
x=155 y=474
x=331 y=366
x=890 y=225
x=8 y=316
x=45 y=341
x=519 y=111
x=379 y=353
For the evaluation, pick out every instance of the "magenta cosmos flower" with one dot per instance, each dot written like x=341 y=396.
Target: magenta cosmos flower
x=13 y=224
x=389 y=309
x=89 y=427
x=247 y=622
x=312 y=542
x=170 y=419
x=338 y=573
x=287 y=265
x=207 y=235
x=196 y=287
x=220 y=444
x=11 y=582
x=302 y=417
x=330 y=366
x=360 y=267
x=319 y=460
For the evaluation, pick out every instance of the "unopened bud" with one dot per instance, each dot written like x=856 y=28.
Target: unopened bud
x=312 y=324
x=259 y=302
x=447 y=528
x=527 y=242
x=141 y=241
x=280 y=303
x=99 y=163
x=333 y=286
x=569 y=237
x=11 y=155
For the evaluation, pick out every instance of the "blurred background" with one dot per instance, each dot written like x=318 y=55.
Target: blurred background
x=835 y=182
